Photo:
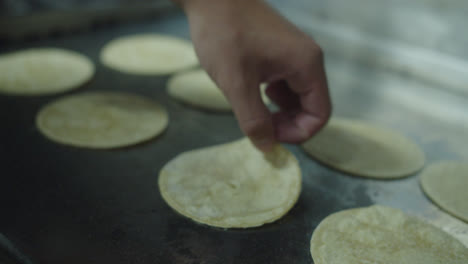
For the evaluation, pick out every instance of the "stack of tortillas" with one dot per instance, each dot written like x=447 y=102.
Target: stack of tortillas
x=43 y=71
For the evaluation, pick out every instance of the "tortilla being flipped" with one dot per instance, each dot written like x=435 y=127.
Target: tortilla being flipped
x=232 y=185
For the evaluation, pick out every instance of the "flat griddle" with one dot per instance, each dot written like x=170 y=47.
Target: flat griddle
x=62 y=204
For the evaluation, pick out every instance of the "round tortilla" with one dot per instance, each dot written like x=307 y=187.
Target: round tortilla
x=365 y=150
x=232 y=185
x=102 y=120
x=196 y=88
x=446 y=183
x=43 y=71
x=149 y=54
x=379 y=234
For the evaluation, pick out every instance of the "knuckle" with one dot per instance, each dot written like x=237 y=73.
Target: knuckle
x=316 y=53
x=311 y=58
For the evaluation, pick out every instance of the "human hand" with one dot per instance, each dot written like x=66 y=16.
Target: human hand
x=242 y=43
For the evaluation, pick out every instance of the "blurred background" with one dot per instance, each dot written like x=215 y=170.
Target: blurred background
x=416 y=38
x=427 y=23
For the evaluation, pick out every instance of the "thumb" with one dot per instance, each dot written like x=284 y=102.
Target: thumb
x=254 y=118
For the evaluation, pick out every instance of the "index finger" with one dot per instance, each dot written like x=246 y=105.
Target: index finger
x=298 y=125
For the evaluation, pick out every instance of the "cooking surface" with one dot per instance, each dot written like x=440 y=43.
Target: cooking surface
x=61 y=204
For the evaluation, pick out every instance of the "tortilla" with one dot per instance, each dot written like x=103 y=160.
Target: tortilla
x=101 y=120
x=149 y=54
x=379 y=234
x=43 y=71
x=365 y=150
x=446 y=183
x=196 y=88
x=232 y=185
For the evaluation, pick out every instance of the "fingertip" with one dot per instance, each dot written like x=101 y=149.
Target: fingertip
x=296 y=128
x=265 y=144
x=260 y=131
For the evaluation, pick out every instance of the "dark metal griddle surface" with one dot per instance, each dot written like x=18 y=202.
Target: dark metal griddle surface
x=61 y=204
